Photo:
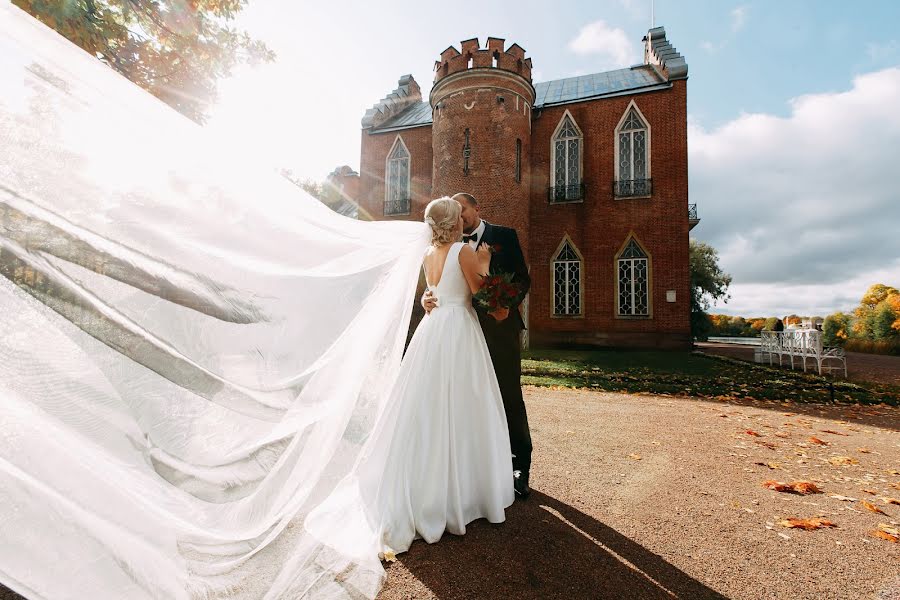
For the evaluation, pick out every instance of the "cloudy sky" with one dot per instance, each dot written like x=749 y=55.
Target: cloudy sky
x=794 y=114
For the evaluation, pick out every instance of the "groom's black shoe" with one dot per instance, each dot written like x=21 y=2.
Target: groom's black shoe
x=520 y=484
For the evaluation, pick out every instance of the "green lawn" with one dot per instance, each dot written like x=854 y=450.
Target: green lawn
x=691 y=374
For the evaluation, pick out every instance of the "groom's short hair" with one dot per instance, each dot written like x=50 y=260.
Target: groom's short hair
x=467 y=197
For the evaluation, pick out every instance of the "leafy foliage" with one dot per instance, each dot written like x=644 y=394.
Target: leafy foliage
x=175 y=49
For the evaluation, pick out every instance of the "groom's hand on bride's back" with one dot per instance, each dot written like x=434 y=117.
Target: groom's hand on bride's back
x=429 y=301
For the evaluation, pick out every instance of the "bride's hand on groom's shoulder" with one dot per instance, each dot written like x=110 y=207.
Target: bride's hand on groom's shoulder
x=429 y=301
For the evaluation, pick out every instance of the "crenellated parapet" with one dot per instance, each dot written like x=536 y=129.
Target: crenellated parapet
x=659 y=52
x=473 y=56
x=406 y=94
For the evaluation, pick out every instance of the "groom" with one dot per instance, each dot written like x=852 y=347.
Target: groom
x=502 y=329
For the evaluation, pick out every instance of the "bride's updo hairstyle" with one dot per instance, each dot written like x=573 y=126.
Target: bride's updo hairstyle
x=442 y=215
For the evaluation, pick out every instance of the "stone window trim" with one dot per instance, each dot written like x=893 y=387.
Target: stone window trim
x=564 y=245
x=398 y=153
x=579 y=139
x=616 y=142
x=631 y=237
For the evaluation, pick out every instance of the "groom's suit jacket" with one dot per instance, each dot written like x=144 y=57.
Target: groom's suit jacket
x=508 y=258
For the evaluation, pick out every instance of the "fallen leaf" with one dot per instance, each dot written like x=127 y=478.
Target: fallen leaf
x=887 y=500
x=835 y=432
x=807 y=524
x=782 y=434
x=896 y=485
x=635 y=456
x=843 y=460
x=871 y=507
x=804 y=488
x=892 y=471
x=843 y=498
x=768 y=445
x=864 y=450
x=816 y=440
x=873 y=492
x=884 y=535
x=389 y=556
x=753 y=433
x=888 y=529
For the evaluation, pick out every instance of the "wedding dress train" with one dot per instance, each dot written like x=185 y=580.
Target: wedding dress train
x=196 y=357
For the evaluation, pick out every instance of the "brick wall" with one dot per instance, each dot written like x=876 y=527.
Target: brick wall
x=374 y=151
x=600 y=225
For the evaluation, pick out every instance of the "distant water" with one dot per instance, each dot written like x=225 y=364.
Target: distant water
x=736 y=340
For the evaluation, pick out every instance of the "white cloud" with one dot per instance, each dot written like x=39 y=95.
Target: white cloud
x=805 y=209
x=610 y=44
x=738 y=18
x=709 y=47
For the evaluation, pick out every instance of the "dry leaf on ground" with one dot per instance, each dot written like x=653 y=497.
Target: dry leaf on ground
x=843 y=460
x=864 y=450
x=634 y=456
x=873 y=492
x=834 y=432
x=771 y=465
x=807 y=524
x=884 y=535
x=887 y=500
x=816 y=440
x=753 y=433
x=872 y=507
x=804 y=488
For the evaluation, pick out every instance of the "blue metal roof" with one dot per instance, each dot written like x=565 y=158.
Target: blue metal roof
x=549 y=93
x=583 y=87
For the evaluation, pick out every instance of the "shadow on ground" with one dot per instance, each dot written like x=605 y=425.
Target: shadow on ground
x=545 y=550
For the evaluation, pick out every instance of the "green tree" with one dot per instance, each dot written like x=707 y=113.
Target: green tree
x=882 y=319
x=175 y=49
x=708 y=285
x=835 y=329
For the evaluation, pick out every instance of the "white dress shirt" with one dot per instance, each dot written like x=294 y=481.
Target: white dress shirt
x=479 y=231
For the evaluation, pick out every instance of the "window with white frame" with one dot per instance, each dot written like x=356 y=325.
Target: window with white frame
x=566 y=162
x=396 y=177
x=567 y=267
x=634 y=281
x=632 y=160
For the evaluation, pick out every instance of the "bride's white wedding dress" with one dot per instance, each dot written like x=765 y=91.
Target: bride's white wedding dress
x=444 y=459
x=200 y=365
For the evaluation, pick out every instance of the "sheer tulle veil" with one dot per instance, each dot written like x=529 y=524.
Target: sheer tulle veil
x=193 y=352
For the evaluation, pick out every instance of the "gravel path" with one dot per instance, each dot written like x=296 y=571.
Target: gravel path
x=640 y=496
x=878 y=368
x=657 y=497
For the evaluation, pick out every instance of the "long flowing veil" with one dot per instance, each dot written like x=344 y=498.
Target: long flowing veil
x=193 y=351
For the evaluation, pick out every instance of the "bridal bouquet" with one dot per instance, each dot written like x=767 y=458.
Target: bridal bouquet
x=497 y=291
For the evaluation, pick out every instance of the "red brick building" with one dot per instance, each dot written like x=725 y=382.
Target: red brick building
x=590 y=170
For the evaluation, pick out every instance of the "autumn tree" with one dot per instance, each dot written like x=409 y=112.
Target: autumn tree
x=175 y=49
x=835 y=329
x=708 y=285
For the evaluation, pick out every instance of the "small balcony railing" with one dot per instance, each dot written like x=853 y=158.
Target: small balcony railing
x=396 y=207
x=693 y=217
x=630 y=188
x=566 y=193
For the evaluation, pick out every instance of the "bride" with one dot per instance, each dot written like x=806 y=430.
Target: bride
x=445 y=459
x=200 y=365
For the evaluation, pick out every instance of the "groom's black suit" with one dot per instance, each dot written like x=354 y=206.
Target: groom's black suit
x=504 y=340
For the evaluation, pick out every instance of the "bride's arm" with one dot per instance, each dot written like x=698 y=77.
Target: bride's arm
x=474 y=265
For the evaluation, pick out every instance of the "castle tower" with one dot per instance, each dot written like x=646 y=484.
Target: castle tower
x=481 y=133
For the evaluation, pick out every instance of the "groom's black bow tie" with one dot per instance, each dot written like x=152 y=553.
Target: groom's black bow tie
x=470 y=238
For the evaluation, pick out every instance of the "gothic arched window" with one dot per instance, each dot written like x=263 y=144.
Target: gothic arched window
x=566 y=152
x=633 y=281
x=396 y=180
x=567 y=280
x=633 y=155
